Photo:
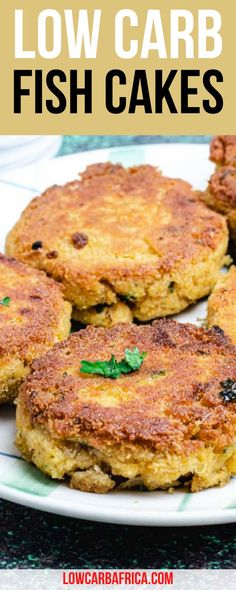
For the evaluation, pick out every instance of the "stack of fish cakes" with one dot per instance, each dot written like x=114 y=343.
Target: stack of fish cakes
x=128 y=405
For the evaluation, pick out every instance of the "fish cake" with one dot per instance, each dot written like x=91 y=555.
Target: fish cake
x=125 y=243
x=221 y=197
x=33 y=317
x=222 y=304
x=220 y=194
x=223 y=150
x=221 y=191
x=171 y=422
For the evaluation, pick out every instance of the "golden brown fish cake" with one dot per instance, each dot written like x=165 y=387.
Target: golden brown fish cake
x=222 y=304
x=123 y=236
x=223 y=150
x=221 y=196
x=165 y=424
x=33 y=317
x=221 y=192
x=231 y=218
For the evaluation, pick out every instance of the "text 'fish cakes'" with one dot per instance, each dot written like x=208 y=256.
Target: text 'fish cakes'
x=166 y=424
x=125 y=243
x=33 y=317
x=222 y=304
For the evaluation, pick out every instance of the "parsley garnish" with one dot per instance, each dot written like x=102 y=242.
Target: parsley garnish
x=113 y=369
x=229 y=390
x=5 y=301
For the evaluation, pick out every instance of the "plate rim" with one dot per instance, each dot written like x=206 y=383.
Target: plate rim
x=130 y=147
x=114 y=516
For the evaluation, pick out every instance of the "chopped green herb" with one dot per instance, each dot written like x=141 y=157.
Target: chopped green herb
x=5 y=301
x=133 y=358
x=127 y=298
x=171 y=286
x=113 y=369
x=229 y=390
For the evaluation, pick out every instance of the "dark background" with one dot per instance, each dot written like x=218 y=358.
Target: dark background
x=38 y=540
x=31 y=539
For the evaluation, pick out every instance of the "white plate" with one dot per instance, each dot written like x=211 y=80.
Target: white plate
x=21 y=482
x=26 y=149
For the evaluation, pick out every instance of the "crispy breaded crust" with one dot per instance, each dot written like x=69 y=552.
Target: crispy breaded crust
x=231 y=218
x=222 y=304
x=223 y=150
x=169 y=411
x=35 y=319
x=221 y=196
x=130 y=236
x=221 y=191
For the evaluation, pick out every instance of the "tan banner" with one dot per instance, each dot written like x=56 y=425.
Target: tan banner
x=119 y=67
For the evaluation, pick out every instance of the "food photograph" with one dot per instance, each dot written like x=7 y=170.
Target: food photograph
x=118 y=351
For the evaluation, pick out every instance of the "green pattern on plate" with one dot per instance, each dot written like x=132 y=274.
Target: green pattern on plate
x=26 y=478
x=184 y=502
x=232 y=505
x=127 y=156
